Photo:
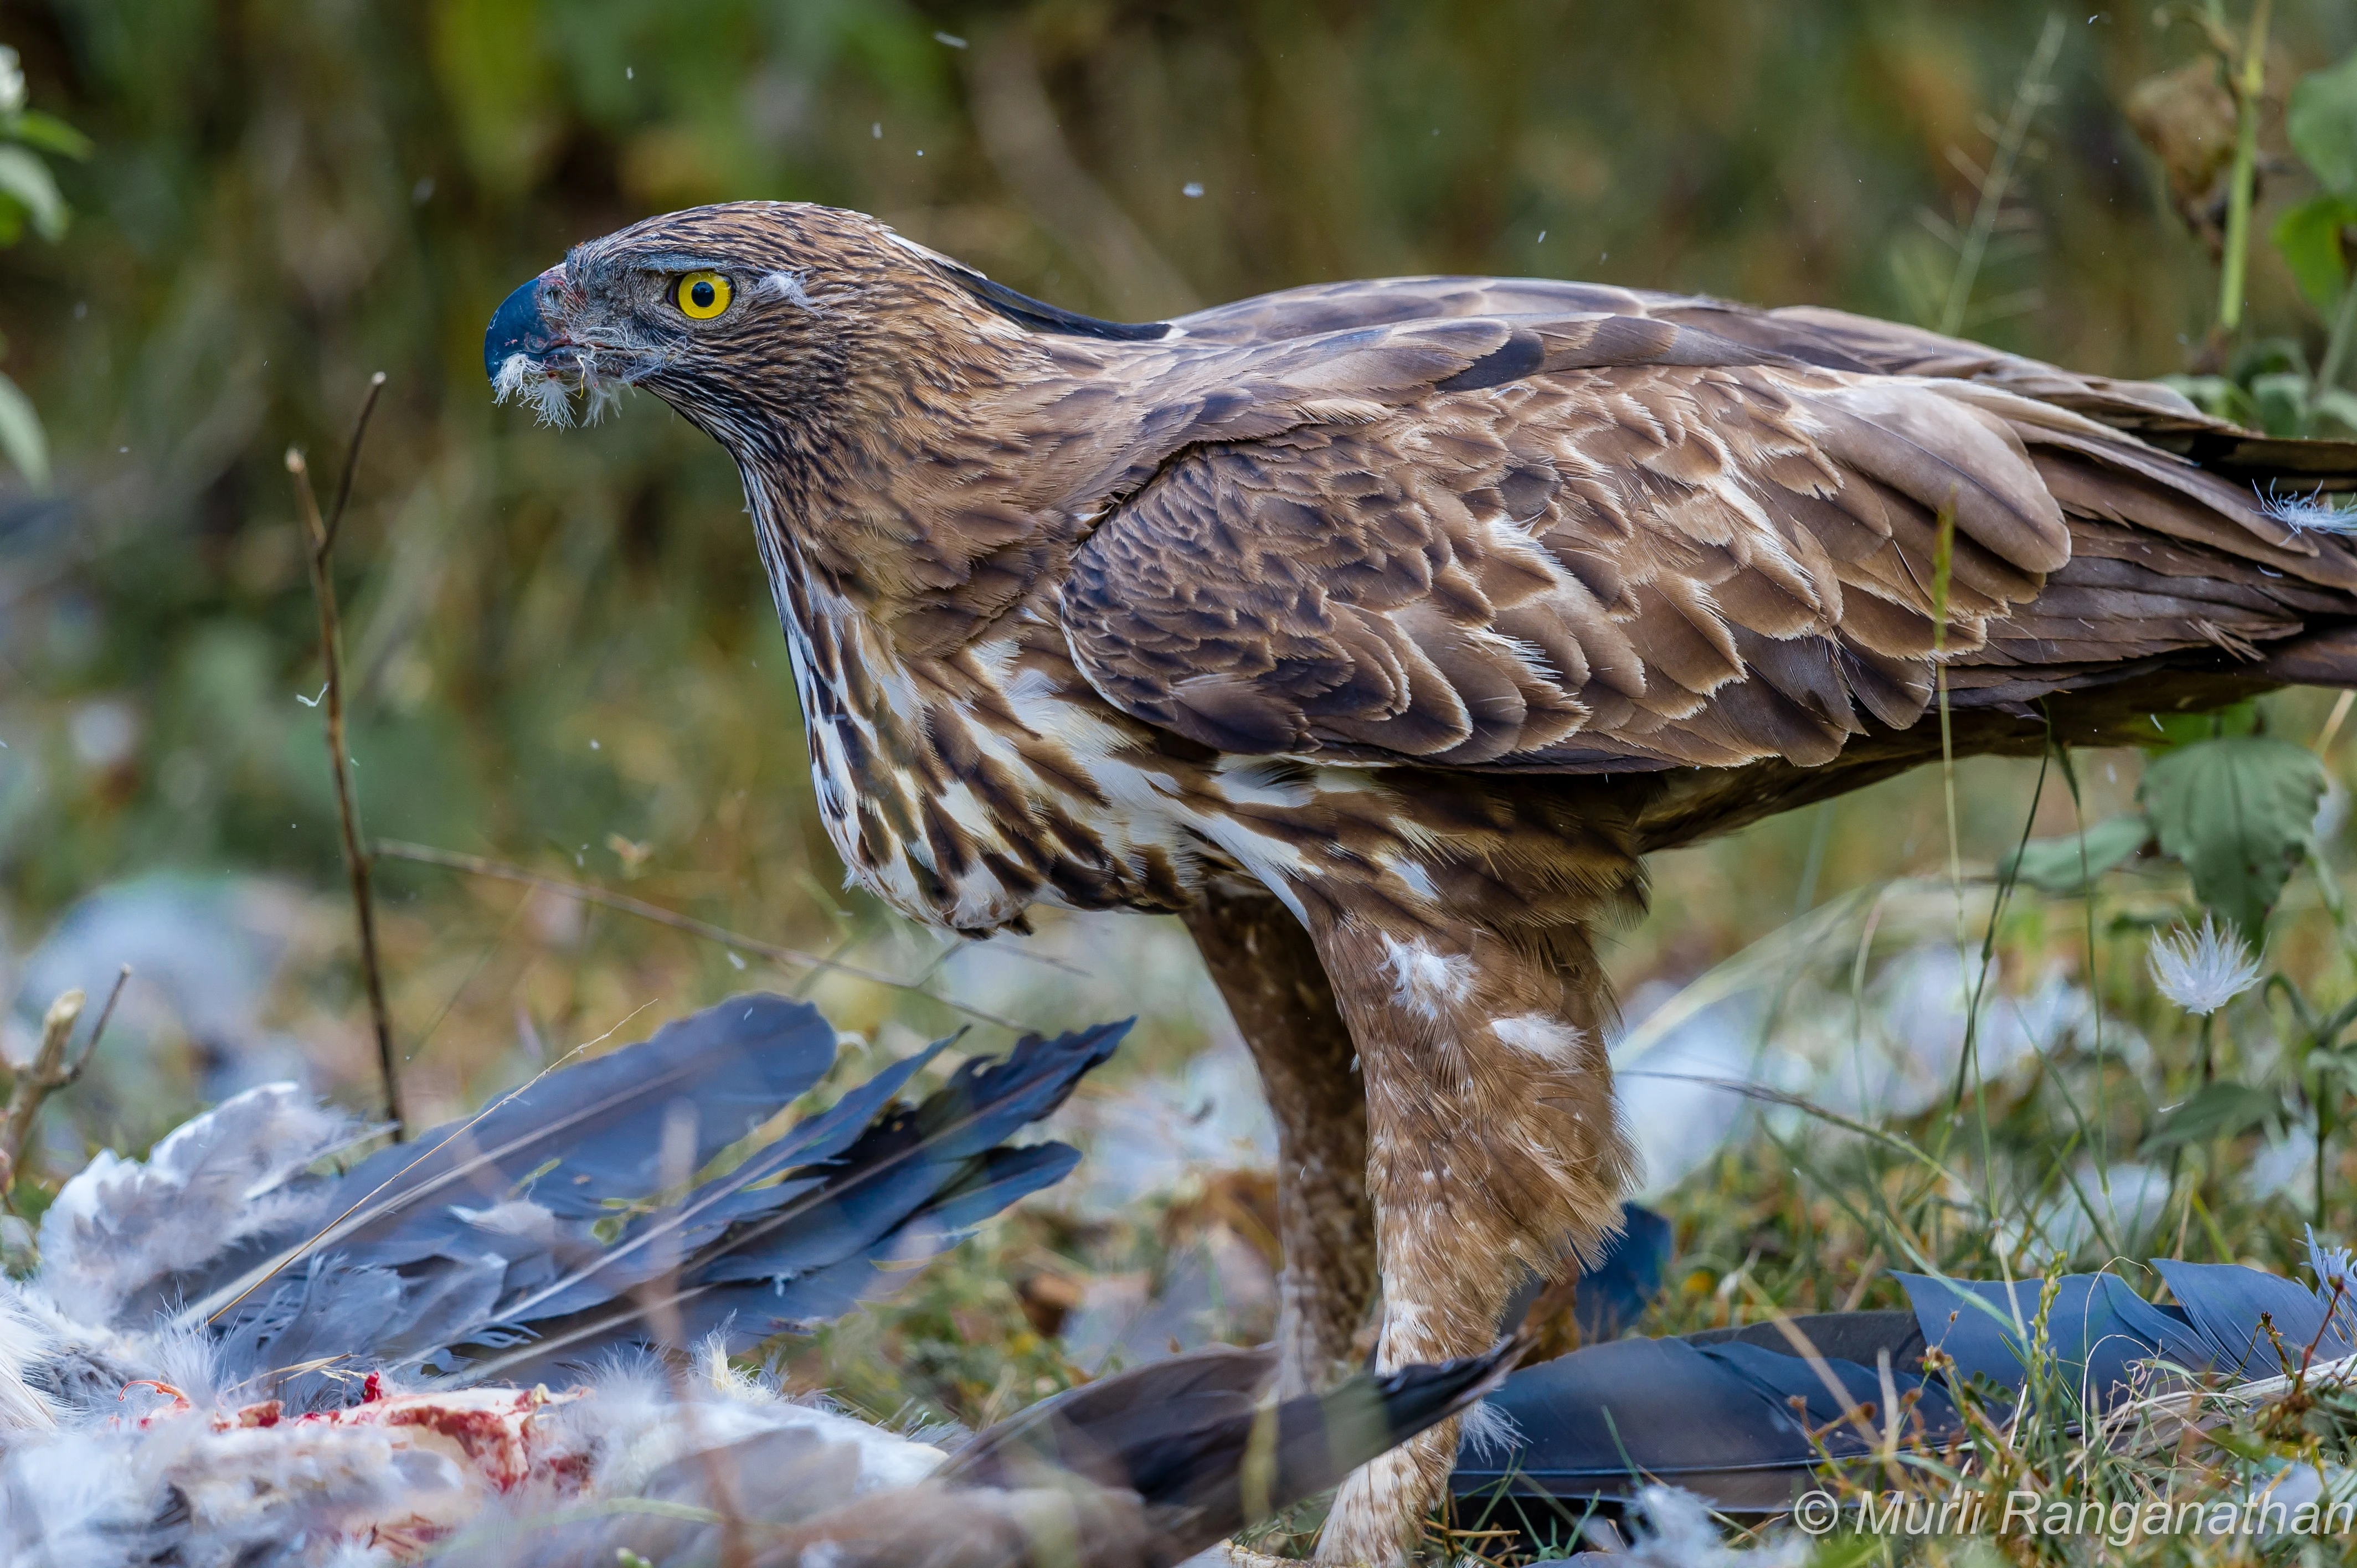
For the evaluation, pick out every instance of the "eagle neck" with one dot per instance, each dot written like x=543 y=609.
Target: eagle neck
x=945 y=487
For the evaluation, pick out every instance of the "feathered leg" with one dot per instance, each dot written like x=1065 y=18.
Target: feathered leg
x=1277 y=991
x=1493 y=1151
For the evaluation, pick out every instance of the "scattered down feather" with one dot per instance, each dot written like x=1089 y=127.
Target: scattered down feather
x=1141 y=1469
x=126 y=1238
x=225 y=1358
x=1714 y=1412
x=396 y=1474
x=1666 y=1528
x=1136 y=1470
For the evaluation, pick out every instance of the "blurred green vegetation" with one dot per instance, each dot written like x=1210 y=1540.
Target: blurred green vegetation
x=28 y=196
x=563 y=650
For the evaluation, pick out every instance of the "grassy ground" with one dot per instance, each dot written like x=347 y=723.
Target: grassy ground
x=2044 y=1161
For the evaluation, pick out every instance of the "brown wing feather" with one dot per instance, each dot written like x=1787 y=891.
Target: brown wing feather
x=1830 y=340
x=1602 y=568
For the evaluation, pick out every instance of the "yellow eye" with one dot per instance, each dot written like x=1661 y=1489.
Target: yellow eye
x=702 y=294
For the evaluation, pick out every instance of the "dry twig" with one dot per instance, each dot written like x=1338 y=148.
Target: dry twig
x=1994 y=183
x=322 y=534
x=660 y=1297
x=477 y=865
x=49 y=1071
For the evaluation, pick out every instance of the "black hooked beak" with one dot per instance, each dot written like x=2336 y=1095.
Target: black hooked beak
x=518 y=327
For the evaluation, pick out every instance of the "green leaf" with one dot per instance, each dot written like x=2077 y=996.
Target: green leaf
x=2184 y=729
x=2321 y=122
x=2310 y=238
x=2267 y=356
x=2236 y=812
x=1846 y=1552
x=2336 y=406
x=2222 y=1109
x=28 y=179
x=2282 y=399
x=2217 y=397
x=2052 y=866
x=49 y=134
x=21 y=436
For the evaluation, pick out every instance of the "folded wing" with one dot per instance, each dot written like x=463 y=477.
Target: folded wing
x=1621 y=542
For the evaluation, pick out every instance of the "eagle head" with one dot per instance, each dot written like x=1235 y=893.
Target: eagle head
x=747 y=318
x=757 y=320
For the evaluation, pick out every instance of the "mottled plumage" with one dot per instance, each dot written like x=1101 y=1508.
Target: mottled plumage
x=1423 y=608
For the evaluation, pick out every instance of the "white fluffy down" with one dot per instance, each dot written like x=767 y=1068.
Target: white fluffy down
x=549 y=394
x=1487 y=1431
x=1673 y=1529
x=549 y=399
x=119 y=1444
x=98 y=1482
x=120 y=1229
x=636 y=1425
